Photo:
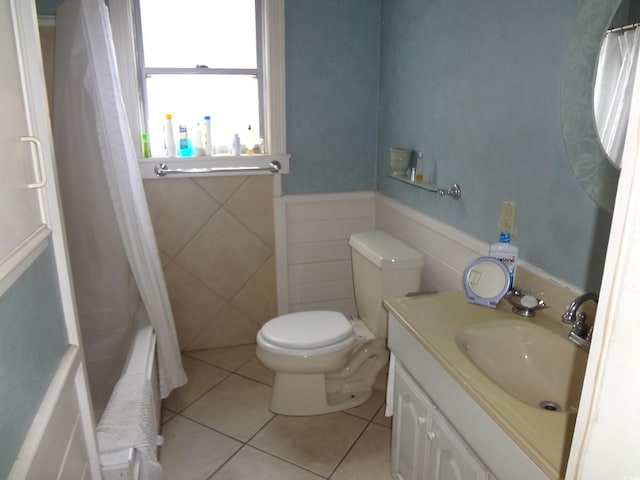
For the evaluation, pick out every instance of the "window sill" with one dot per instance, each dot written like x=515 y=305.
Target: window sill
x=147 y=165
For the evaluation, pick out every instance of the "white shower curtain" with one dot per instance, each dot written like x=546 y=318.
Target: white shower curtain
x=612 y=90
x=102 y=190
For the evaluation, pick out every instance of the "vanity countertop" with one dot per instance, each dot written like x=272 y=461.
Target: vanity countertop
x=434 y=320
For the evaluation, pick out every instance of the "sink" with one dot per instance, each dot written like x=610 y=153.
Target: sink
x=536 y=366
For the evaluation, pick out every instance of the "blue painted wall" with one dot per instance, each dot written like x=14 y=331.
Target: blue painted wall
x=332 y=57
x=475 y=86
x=47 y=7
x=32 y=343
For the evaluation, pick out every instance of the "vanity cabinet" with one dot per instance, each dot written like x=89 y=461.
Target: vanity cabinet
x=424 y=444
x=439 y=431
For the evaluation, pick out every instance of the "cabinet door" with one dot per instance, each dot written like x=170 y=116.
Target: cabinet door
x=21 y=179
x=411 y=420
x=449 y=456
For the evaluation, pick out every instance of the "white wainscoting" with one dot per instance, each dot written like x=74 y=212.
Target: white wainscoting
x=312 y=250
x=313 y=256
x=447 y=251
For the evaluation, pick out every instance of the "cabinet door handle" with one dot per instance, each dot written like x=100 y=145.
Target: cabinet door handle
x=41 y=177
x=422 y=420
x=431 y=435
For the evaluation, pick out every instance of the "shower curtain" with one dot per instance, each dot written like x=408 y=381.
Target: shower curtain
x=613 y=88
x=118 y=277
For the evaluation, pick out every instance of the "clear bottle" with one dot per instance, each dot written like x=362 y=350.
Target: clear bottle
x=169 y=136
x=251 y=141
x=419 y=167
x=208 y=146
x=198 y=141
x=235 y=145
x=507 y=254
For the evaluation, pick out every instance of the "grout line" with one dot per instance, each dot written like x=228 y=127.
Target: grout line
x=243 y=444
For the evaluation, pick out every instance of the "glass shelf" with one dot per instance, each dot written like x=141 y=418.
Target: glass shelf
x=453 y=191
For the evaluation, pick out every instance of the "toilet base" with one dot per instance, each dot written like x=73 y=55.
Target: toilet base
x=306 y=394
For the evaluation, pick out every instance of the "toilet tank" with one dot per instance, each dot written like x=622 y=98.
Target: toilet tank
x=383 y=267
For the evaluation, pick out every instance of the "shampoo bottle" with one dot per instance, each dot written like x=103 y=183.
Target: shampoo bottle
x=507 y=254
x=169 y=136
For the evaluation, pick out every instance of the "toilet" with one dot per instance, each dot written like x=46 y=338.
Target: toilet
x=325 y=362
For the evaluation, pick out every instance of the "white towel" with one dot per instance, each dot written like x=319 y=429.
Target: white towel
x=388 y=410
x=130 y=420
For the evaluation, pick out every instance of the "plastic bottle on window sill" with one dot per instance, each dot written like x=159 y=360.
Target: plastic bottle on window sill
x=235 y=145
x=186 y=149
x=251 y=141
x=198 y=141
x=169 y=136
x=208 y=148
x=146 y=152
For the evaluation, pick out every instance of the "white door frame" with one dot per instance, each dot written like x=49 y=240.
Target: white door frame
x=606 y=438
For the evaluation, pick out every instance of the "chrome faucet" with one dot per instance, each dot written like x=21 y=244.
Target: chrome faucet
x=581 y=331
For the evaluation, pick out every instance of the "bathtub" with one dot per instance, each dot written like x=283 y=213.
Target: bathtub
x=124 y=463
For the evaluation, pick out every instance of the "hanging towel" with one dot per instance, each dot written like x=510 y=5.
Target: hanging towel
x=388 y=409
x=130 y=420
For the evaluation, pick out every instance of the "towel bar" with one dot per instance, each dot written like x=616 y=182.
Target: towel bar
x=161 y=169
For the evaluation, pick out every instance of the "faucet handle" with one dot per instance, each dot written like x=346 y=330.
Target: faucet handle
x=580 y=326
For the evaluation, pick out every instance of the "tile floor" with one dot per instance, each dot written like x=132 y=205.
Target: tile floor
x=218 y=427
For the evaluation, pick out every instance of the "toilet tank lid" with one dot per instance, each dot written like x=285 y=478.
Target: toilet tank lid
x=307 y=329
x=385 y=251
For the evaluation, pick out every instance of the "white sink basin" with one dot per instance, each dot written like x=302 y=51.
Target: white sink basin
x=531 y=363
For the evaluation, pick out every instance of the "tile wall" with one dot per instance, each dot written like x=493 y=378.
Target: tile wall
x=216 y=242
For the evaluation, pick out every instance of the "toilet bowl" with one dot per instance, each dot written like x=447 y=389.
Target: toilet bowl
x=325 y=362
x=318 y=374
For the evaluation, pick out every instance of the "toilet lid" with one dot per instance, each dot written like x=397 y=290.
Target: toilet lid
x=307 y=329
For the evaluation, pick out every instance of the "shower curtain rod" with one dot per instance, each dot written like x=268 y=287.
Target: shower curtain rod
x=623 y=28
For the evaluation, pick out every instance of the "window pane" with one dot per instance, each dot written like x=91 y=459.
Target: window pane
x=230 y=100
x=186 y=33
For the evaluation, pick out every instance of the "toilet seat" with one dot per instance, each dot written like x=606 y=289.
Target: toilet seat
x=307 y=333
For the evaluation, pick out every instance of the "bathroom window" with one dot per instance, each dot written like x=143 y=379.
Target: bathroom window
x=196 y=58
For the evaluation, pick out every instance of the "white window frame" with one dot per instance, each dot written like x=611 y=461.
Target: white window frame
x=273 y=90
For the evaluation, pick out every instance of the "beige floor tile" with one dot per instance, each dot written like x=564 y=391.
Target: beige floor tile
x=237 y=407
x=202 y=377
x=166 y=415
x=369 y=408
x=229 y=358
x=257 y=371
x=253 y=464
x=193 y=452
x=370 y=457
x=381 y=419
x=316 y=443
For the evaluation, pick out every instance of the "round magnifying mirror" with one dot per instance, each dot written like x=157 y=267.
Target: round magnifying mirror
x=613 y=84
